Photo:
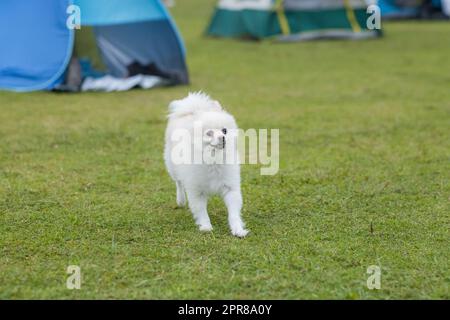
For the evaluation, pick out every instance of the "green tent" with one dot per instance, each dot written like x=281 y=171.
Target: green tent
x=291 y=20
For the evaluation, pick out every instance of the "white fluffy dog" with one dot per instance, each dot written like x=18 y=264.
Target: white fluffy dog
x=199 y=180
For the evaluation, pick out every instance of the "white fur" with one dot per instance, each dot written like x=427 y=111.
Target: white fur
x=199 y=181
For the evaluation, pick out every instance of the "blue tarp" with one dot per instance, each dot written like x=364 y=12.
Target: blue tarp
x=404 y=8
x=37 y=45
x=391 y=8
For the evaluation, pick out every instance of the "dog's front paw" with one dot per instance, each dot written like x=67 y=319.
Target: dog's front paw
x=205 y=227
x=239 y=232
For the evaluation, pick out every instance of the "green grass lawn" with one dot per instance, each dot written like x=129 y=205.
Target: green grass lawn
x=364 y=176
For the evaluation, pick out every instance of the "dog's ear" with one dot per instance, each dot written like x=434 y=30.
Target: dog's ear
x=217 y=104
x=178 y=108
x=174 y=105
x=208 y=136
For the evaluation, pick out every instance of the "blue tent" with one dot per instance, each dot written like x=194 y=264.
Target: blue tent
x=37 y=45
x=395 y=9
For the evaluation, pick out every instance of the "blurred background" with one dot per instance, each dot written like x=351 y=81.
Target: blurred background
x=364 y=156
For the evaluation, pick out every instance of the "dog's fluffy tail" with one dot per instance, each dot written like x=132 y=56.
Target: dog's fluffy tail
x=195 y=102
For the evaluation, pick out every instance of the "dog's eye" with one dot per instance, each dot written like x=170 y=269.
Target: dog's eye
x=209 y=133
x=224 y=130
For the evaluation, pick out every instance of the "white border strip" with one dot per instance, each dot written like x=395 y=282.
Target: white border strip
x=322 y=4
x=246 y=4
x=290 y=4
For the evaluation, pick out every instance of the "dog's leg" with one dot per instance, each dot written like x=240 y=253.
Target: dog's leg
x=233 y=201
x=198 y=204
x=181 y=195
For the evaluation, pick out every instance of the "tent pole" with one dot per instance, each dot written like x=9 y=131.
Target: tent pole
x=282 y=19
x=351 y=17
